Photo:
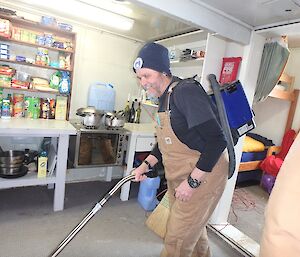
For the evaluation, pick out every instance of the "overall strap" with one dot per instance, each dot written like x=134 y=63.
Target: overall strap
x=170 y=90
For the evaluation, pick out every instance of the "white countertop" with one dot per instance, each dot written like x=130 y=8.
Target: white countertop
x=143 y=129
x=35 y=126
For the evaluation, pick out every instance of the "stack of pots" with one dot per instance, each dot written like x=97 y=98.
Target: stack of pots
x=11 y=163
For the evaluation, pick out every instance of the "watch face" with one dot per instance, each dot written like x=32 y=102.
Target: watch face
x=194 y=183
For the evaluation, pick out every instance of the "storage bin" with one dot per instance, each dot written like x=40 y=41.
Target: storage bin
x=102 y=96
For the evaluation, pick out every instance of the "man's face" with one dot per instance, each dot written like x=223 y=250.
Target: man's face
x=151 y=81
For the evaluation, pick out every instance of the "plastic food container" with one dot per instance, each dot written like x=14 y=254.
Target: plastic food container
x=48 y=21
x=65 y=26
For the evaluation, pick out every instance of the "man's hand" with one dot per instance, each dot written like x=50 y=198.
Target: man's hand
x=184 y=192
x=139 y=172
x=143 y=168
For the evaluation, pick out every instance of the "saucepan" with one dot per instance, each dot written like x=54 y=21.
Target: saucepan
x=115 y=119
x=91 y=116
x=11 y=163
x=12 y=157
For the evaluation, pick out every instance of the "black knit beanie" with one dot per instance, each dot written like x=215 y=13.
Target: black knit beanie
x=153 y=56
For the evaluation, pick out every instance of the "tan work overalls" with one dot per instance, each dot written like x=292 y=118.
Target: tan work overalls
x=186 y=234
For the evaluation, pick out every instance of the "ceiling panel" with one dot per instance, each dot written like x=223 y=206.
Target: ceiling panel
x=257 y=12
x=149 y=25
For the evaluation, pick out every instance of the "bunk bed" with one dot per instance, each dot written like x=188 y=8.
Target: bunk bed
x=290 y=95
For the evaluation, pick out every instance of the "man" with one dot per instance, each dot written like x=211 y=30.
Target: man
x=190 y=143
x=281 y=233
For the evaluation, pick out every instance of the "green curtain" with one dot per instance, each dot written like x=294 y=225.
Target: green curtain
x=272 y=63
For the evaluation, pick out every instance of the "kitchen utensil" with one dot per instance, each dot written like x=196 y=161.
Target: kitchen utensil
x=91 y=116
x=91 y=120
x=88 y=110
x=10 y=170
x=22 y=171
x=11 y=157
x=30 y=156
x=115 y=119
x=13 y=165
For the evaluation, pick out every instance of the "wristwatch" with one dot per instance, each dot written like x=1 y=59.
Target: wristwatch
x=149 y=165
x=193 y=183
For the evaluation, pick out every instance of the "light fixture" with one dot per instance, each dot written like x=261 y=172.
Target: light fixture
x=85 y=11
x=118 y=7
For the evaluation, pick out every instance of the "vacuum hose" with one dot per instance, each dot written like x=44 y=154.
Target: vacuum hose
x=86 y=219
x=224 y=122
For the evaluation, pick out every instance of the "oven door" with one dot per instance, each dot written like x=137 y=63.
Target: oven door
x=98 y=149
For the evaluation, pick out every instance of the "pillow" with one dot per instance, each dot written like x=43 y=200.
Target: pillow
x=252 y=145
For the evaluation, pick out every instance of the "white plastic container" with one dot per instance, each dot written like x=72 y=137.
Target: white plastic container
x=102 y=96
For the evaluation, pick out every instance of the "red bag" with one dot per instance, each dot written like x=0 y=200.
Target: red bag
x=272 y=164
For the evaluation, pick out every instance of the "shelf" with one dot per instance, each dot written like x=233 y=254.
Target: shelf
x=35 y=45
x=34 y=65
x=281 y=94
x=33 y=90
x=30 y=179
x=185 y=38
x=193 y=62
x=24 y=23
x=246 y=166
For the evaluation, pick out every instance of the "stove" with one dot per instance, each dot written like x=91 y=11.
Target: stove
x=97 y=147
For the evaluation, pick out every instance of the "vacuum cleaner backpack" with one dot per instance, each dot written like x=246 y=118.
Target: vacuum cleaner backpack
x=235 y=114
x=233 y=111
x=238 y=111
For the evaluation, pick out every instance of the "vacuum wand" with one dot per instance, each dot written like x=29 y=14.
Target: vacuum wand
x=91 y=214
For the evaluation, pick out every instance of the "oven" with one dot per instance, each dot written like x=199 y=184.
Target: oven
x=96 y=147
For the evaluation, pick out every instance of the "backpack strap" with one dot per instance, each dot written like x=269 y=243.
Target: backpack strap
x=171 y=89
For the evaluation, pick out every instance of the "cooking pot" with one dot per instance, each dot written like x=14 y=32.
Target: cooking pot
x=91 y=116
x=13 y=172
x=12 y=157
x=11 y=163
x=115 y=119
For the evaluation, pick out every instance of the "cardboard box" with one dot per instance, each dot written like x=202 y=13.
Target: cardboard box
x=42 y=167
x=5 y=28
x=61 y=108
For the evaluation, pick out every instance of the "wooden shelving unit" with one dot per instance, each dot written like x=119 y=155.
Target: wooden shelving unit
x=20 y=45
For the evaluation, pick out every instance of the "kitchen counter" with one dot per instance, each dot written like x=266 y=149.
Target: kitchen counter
x=35 y=126
x=59 y=131
x=141 y=129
